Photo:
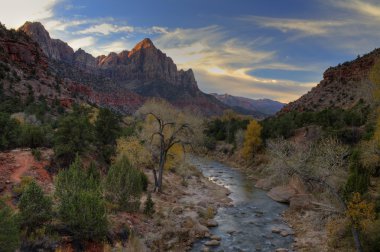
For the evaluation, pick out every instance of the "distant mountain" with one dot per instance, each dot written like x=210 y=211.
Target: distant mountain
x=141 y=73
x=257 y=107
x=343 y=86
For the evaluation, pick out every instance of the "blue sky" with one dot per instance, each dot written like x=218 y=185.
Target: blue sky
x=258 y=49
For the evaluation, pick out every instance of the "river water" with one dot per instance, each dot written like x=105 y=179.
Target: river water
x=246 y=226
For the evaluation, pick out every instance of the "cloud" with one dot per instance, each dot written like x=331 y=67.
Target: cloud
x=14 y=13
x=281 y=90
x=106 y=29
x=304 y=26
x=84 y=42
x=106 y=48
x=364 y=8
x=223 y=64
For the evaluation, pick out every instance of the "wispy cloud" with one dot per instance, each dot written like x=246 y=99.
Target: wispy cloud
x=106 y=29
x=306 y=27
x=364 y=7
x=222 y=63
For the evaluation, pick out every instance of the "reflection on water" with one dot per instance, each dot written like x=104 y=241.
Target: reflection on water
x=247 y=226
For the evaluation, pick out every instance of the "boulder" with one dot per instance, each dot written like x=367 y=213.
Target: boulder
x=212 y=243
x=282 y=250
x=282 y=194
x=263 y=184
x=215 y=237
x=212 y=223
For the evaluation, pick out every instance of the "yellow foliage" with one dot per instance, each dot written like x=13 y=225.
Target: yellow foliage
x=374 y=76
x=252 y=139
x=136 y=153
x=175 y=157
x=360 y=212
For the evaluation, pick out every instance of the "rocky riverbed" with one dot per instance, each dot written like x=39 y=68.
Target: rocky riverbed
x=253 y=223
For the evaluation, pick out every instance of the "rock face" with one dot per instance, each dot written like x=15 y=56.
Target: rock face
x=144 y=71
x=53 y=48
x=260 y=108
x=342 y=86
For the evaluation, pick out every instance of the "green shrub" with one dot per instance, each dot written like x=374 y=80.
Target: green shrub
x=9 y=229
x=359 y=177
x=81 y=206
x=124 y=185
x=32 y=136
x=35 y=208
x=74 y=135
x=9 y=131
x=149 y=206
x=36 y=154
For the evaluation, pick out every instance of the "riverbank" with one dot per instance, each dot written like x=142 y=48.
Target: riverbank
x=183 y=213
x=307 y=223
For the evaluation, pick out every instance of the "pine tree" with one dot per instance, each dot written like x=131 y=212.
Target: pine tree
x=9 y=229
x=35 y=208
x=81 y=205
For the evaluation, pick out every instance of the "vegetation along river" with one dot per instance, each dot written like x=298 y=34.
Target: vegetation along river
x=248 y=224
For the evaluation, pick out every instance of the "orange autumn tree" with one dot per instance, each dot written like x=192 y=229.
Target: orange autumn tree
x=252 y=139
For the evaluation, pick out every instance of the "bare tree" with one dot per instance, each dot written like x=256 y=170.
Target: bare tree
x=321 y=164
x=166 y=126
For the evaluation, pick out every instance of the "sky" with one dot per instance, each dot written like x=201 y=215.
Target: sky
x=275 y=49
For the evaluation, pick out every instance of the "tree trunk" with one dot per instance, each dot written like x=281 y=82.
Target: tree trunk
x=155 y=180
x=358 y=244
x=161 y=170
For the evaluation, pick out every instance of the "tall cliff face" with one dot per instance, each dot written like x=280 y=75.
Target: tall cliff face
x=145 y=71
x=145 y=63
x=342 y=86
x=53 y=48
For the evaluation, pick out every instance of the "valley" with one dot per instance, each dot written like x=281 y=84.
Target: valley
x=123 y=137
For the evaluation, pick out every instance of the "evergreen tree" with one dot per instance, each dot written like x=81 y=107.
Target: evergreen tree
x=35 y=208
x=107 y=128
x=9 y=229
x=74 y=135
x=81 y=206
x=124 y=185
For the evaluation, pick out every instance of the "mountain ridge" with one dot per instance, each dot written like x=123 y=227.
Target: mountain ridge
x=144 y=71
x=258 y=107
x=342 y=86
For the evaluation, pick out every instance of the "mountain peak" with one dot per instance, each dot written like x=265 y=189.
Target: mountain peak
x=145 y=43
x=35 y=28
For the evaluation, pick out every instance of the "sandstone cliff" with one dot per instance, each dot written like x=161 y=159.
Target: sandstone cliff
x=145 y=71
x=342 y=86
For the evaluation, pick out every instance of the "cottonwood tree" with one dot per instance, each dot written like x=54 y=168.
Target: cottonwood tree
x=252 y=139
x=165 y=127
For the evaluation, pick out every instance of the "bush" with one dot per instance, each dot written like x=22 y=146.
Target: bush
x=36 y=154
x=81 y=206
x=9 y=132
x=74 y=135
x=9 y=229
x=32 y=136
x=359 y=178
x=149 y=206
x=371 y=237
x=124 y=185
x=35 y=208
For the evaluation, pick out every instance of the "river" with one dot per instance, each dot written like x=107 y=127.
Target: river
x=248 y=224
